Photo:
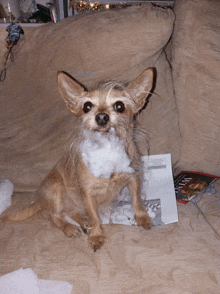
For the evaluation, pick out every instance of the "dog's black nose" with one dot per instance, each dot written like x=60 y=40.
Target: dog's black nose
x=102 y=119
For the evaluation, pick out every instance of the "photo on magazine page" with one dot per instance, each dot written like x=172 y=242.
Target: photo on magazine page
x=190 y=184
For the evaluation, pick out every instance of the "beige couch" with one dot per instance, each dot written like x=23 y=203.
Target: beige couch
x=181 y=118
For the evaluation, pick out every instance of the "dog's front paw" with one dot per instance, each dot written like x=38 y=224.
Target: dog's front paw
x=97 y=241
x=143 y=220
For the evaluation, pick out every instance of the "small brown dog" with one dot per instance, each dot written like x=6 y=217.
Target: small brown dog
x=100 y=163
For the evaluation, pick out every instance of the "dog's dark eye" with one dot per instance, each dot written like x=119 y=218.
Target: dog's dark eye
x=119 y=106
x=87 y=107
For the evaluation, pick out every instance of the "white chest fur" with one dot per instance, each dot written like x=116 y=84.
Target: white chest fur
x=104 y=153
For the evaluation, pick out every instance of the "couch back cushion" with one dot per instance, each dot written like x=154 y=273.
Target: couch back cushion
x=196 y=75
x=93 y=48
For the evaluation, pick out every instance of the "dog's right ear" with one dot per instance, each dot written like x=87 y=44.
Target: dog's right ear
x=70 y=90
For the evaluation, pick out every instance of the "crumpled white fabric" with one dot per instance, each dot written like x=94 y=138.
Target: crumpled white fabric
x=25 y=281
x=6 y=191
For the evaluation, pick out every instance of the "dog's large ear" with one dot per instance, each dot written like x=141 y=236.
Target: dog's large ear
x=70 y=90
x=141 y=87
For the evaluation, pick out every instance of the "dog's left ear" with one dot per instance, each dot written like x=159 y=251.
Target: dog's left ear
x=141 y=87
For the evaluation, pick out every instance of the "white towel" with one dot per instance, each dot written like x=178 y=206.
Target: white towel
x=6 y=190
x=25 y=281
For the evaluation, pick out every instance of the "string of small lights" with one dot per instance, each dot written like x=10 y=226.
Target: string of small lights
x=82 y=6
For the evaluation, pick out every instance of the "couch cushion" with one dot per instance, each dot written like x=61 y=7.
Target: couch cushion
x=196 y=75
x=93 y=48
x=179 y=258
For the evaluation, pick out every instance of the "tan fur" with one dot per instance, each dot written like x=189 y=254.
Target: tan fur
x=70 y=188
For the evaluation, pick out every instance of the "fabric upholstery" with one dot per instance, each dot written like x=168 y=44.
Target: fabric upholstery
x=196 y=76
x=93 y=48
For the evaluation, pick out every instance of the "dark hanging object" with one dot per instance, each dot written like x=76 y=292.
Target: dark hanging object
x=14 y=33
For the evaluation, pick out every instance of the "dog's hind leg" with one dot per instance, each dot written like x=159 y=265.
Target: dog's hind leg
x=69 y=230
x=54 y=198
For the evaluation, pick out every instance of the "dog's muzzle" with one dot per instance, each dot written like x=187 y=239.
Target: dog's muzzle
x=102 y=119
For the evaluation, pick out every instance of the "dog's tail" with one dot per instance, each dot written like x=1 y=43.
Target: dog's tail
x=24 y=214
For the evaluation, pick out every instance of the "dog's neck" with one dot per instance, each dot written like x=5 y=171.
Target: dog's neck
x=104 y=153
